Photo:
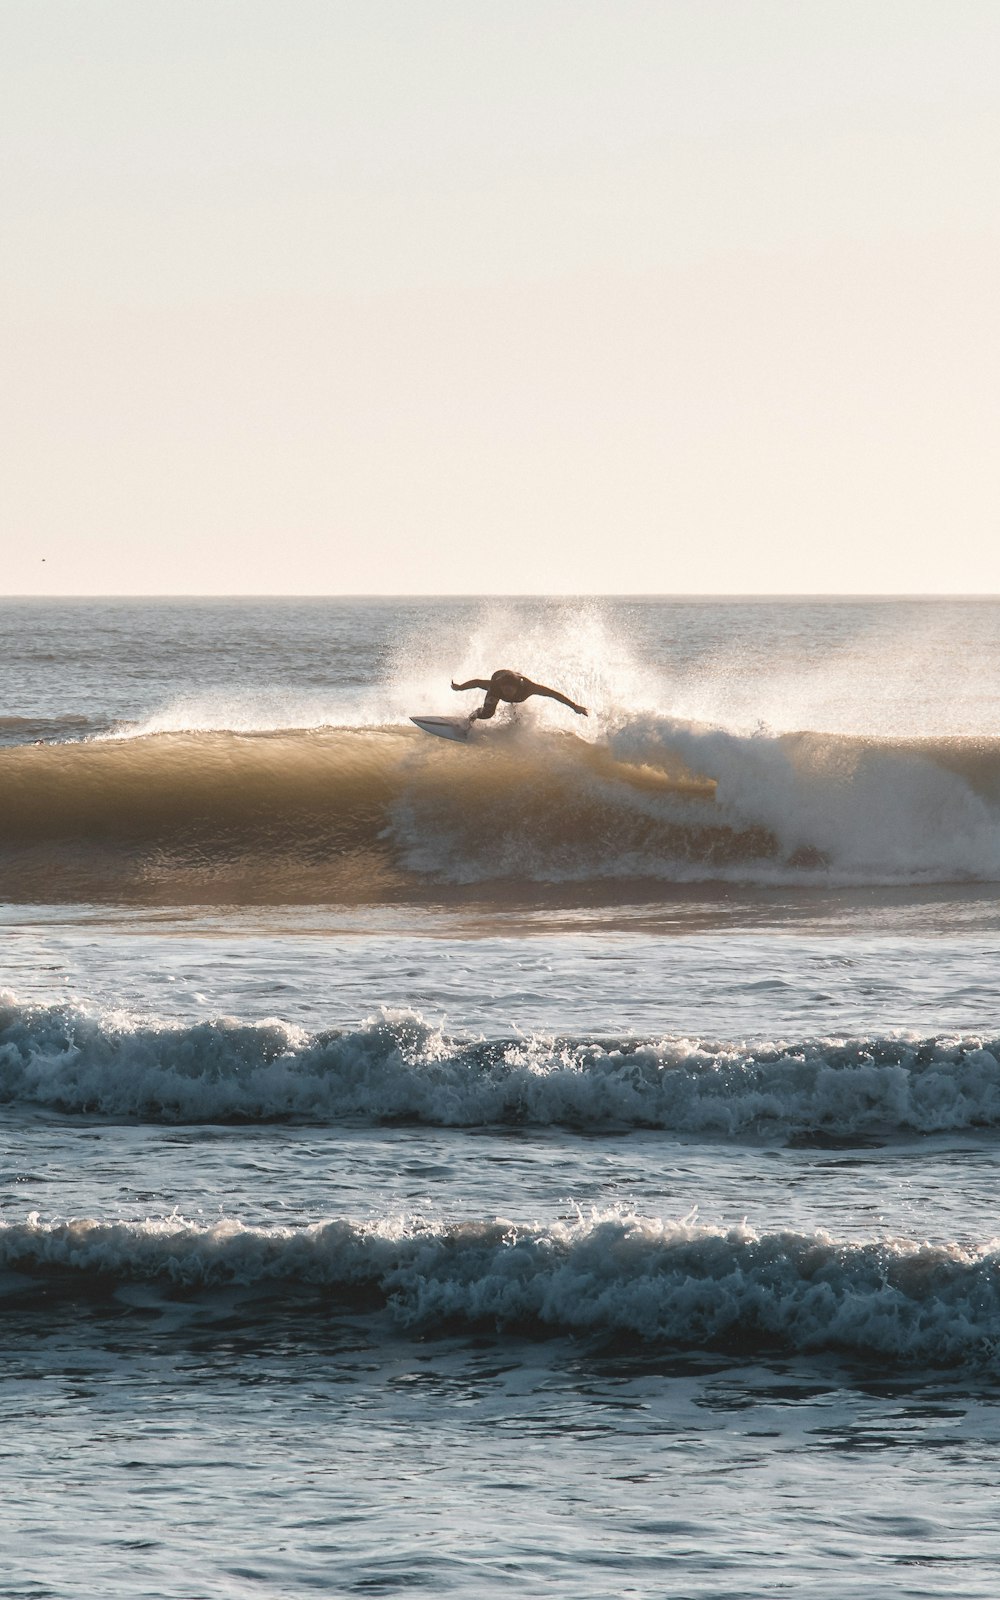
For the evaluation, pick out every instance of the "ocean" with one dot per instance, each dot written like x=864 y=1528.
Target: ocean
x=562 y=1164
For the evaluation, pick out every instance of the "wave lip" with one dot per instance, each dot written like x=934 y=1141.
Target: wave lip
x=673 y=1282
x=397 y=1067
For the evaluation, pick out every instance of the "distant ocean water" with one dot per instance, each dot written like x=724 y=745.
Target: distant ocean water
x=563 y=1164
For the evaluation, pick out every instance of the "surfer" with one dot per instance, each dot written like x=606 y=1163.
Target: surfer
x=514 y=689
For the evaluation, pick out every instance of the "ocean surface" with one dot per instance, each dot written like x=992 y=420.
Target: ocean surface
x=563 y=1164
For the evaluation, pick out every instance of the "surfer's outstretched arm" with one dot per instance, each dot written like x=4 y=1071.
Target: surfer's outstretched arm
x=486 y=710
x=553 y=694
x=473 y=683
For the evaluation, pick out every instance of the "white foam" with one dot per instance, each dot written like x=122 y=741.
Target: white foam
x=398 y=1066
x=873 y=811
x=612 y=1272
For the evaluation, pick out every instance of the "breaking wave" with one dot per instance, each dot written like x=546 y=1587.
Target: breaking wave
x=398 y=1068
x=688 y=1285
x=365 y=815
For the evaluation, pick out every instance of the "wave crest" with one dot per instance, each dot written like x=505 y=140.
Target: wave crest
x=677 y=1282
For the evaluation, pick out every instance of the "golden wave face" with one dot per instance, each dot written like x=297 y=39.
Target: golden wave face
x=355 y=815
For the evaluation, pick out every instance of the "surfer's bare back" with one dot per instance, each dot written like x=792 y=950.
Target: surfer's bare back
x=513 y=688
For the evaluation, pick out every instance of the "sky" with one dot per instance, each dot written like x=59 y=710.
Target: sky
x=499 y=296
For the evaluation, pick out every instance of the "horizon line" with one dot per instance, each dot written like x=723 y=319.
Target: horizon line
x=605 y=594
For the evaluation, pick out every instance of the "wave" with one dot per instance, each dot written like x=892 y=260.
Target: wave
x=366 y=815
x=398 y=1068
x=678 y=1282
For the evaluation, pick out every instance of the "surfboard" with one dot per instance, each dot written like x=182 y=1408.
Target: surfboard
x=444 y=727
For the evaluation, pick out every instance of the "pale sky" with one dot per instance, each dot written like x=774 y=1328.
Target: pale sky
x=516 y=296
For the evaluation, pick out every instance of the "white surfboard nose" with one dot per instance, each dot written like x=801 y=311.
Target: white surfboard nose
x=445 y=727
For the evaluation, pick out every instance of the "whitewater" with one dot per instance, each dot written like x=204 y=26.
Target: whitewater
x=561 y=1164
